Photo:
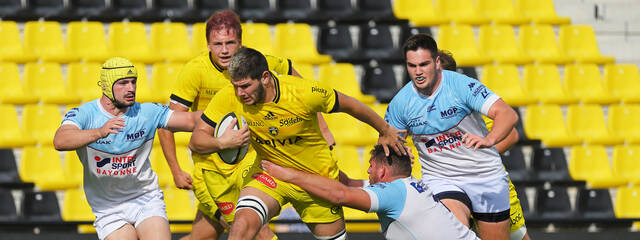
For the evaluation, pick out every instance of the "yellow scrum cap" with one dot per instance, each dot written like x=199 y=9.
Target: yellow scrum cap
x=114 y=69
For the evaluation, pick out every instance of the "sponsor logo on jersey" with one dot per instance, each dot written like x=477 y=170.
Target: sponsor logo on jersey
x=416 y=122
x=335 y=210
x=319 y=90
x=135 y=136
x=449 y=113
x=71 y=113
x=431 y=108
x=443 y=141
x=265 y=179
x=278 y=142
x=471 y=85
x=273 y=131
x=418 y=187
x=122 y=165
x=290 y=121
x=226 y=207
x=255 y=124
x=101 y=162
x=103 y=141
x=270 y=116
x=482 y=90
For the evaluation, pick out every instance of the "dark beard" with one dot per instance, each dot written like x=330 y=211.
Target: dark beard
x=261 y=94
x=119 y=104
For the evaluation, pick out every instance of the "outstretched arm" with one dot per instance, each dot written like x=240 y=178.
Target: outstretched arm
x=69 y=137
x=323 y=187
x=181 y=178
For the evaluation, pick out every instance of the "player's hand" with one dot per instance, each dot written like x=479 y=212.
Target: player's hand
x=475 y=141
x=235 y=138
x=277 y=171
x=182 y=180
x=393 y=138
x=111 y=127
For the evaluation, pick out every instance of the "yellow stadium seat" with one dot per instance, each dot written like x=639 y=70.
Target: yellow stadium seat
x=294 y=41
x=420 y=13
x=163 y=78
x=579 y=43
x=75 y=206
x=198 y=38
x=499 y=43
x=342 y=77
x=45 y=80
x=83 y=80
x=587 y=123
x=541 y=12
x=625 y=163
x=305 y=70
x=623 y=81
x=584 y=82
x=623 y=119
x=129 y=40
x=350 y=162
x=73 y=169
x=160 y=166
x=11 y=49
x=379 y=108
x=353 y=214
x=546 y=122
x=349 y=130
x=11 y=89
x=41 y=121
x=504 y=80
x=86 y=41
x=539 y=42
x=143 y=87
x=591 y=164
x=12 y=134
x=461 y=12
x=502 y=12
x=180 y=207
x=170 y=41
x=258 y=36
x=627 y=202
x=43 y=166
x=44 y=40
x=543 y=82
x=460 y=41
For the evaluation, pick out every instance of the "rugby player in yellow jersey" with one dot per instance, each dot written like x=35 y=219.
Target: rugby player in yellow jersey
x=200 y=79
x=281 y=112
x=518 y=228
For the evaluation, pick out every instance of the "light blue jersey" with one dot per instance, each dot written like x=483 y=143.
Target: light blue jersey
x=408 y=210
x=438 y=122
x=117 y=167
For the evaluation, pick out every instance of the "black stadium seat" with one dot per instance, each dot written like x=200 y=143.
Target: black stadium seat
x=41 y=207
x=8 y=169
x=376 y=43
x=8 y=211
x=380 y=81
x=550 y=164
x=336 y=41
x=207 y=7
x=256 y=10
x=379 y=11
x=594 y=204
x=83 y=9
x=134 y=10
x=36 y=9
x=175 y=10
x=553 y=205
x=296 y=10
x=408 y=31
x=513 y=160
x=340 y=11
x=9 y=8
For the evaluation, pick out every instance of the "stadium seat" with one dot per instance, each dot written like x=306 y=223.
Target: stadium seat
x=626 y=203
x=342 y=77
x=43 y=166
x=461 y=42
x=340 y=11
x=579 y=43
x=199 y=38
x=461 y=12
x=348 y=130
x=539 y=42
x=543 y=82
x=40 y=207
x=550 y=164
x=591 y=164
x=541 y=12
x=625 y=163
x=8 y=213
x=77 y=10
x=380 y=81
x=86 y=41
x=170 y=41
x=306 y=71
x=175 y=10
x=379 y=11
x=256 y=11
x=257 y=36
x=12 y=134
x=419 y=13
x=73 y=169
x=8 y=168
x=376 y=43
x=41 y=121
x=45 y=81
x=207 y=7
x=135 y=10
x=513 y=161
x=594 y=204
x=163 y=78
x=584 y=82
x=296 y=11
x=83 y=78
x=502 y=12
x=180 y=207
x=75 y=206
x=546 y=122
x=9 y=8
x=129 y=40
x=336 y=41
x=553 y=204
x=44 y=41
x=499 y=43
x=623 y=81
x=160 y=166
x=143 y=87
x=350 y=161
x=295 y=41
x=41 y=9
x=504 y=80
x=11 y=48
x=619 y=119
x=587 y=123
x=11 y=89
x=408 y=31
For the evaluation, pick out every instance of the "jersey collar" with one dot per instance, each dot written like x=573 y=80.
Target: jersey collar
x=276 y=85
x=216 y=66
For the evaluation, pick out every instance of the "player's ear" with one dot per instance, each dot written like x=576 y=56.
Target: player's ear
x=438 y=62
x=265 y=77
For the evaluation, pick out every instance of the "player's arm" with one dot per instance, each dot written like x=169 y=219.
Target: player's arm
x=326 y=188
x=504 y=120
x=181 y=178
x=508 y=142
x=390 y=137
x=183 y=121
x=203 y=142
x=70 y=137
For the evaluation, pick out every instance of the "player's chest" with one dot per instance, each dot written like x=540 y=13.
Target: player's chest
x=434 y=116
x=277 y=122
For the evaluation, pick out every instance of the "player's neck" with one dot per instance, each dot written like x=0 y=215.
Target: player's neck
x=108 y=106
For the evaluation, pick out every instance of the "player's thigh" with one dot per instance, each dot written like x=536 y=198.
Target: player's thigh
x=125 y=232
x=323 y=217
x=224 y=190
x=494 y=230
x=489 y=199
x=154 y=228
x=205 y=228
x=460 y=210
x=206 y=205
x=266 y=203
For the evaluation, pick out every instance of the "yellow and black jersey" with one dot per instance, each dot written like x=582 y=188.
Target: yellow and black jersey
x=284 y=130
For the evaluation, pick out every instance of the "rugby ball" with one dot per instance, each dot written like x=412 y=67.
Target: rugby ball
x=231 y=155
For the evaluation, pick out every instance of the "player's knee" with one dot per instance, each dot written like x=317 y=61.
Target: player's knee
x=342 y=235
x=254 y=204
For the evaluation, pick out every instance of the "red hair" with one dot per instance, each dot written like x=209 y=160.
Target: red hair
x=225 y=19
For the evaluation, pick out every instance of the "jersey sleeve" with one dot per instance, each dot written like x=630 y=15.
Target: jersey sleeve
x=161 y=113
x=384 y=197
x=395 y=115
x=321 y=97
x=475 y=94
x=221 y=104
x=186 y=88
x=80 y=117
x=281 y=66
